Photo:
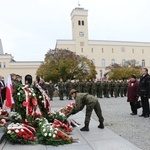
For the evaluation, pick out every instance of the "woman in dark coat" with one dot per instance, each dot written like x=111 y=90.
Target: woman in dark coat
x=132 y=95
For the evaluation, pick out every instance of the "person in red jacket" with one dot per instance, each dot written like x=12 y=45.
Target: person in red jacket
x=132 y=95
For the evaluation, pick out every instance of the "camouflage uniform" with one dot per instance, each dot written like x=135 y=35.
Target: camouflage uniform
x=68 y=87
x=51 y=89
x=112 y=88
x=116 y=89
x=104 y=85
x=121 y=89
x=91 y=103
x=94 y=88
x=61 y=87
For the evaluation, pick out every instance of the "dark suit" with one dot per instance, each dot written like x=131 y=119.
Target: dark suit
x=3 y=92
x=144 y=93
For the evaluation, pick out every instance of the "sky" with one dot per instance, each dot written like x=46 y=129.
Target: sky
x=29 y=28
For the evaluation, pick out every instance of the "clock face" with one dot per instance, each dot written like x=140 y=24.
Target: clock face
x=123 y=49
x=81 y=34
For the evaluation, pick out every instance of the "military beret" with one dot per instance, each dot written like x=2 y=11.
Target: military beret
x=73 y=91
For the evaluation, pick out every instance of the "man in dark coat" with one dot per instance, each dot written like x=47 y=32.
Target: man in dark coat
x=85 y=99
x=144 y=92
x=132 y=95
x=2 y=91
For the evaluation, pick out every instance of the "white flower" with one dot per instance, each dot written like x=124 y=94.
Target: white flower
x=42 y=101
x=9 y=131
x=50 y=134
x=29 y=93
x=54 y=135
x=40 y=96
x=44 y=130
x=18 y=93
x=33 y=94
x=16 y=130
x=45 y=134
x=22 y=130
x=55 y=132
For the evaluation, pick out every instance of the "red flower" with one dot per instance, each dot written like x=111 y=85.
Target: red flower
x=25 y=104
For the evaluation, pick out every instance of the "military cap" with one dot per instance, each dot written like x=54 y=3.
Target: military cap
x=73 y=91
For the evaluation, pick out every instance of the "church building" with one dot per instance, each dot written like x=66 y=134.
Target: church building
x=101 y=52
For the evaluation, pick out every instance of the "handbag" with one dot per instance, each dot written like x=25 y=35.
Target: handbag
x=138 y=104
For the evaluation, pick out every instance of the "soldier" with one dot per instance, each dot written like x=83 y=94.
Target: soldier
x=50 y=89
x=75 y=84
x=78 y=86
x=119 y=85
x=82 y=99
x=116 y=89
x=43 y=85
x=125 y=87
x=121 y=88
x=61 y=87
x=99 y=89
x=107 y=88
x=112 y=88
x=94 y=88
x=68 y=87
x=104 y=85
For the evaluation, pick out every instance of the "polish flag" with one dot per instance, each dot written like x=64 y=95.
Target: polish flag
x=9 y=89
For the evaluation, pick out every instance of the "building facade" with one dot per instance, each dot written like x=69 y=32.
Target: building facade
x=26 y=69
x=102 y=53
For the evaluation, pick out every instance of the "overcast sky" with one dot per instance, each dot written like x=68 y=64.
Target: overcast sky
x=28 y=28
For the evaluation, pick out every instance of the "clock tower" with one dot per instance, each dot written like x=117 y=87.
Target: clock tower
x=80 y=28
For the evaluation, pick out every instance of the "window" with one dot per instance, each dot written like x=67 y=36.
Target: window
x=103 y=63
x=112 y=50
x=112 y=61
x=82 y=22
x=102 y=50
x=82 y=50
x=0 y=65
x=133 y=51
x=4 y=65
x=133 y=62
x=123 y=62
x=143 y=63
x=79 y=22
x=142 y=51
x=92 y=50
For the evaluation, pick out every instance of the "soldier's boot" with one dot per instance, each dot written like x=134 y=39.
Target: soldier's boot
x=101 y=125
x=85 y=128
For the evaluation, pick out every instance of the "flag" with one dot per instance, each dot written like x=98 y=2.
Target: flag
x=9 y=89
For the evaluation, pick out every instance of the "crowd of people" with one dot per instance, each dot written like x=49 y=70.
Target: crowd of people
x=132 y=88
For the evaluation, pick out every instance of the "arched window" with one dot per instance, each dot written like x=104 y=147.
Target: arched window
x=82 y=22
x=79 y=22
x=143 y=63
x=123 y=62
x=103 y=63
x=112 y=61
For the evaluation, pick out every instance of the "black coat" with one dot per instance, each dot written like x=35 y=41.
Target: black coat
x=144 y=86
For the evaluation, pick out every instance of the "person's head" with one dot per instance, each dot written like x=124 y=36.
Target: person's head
x=144 y=71
x=132 y=78
x=73 y=93
x=13 y=76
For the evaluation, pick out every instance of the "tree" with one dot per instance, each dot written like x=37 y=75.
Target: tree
x=65 y=64
x=124 y=71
